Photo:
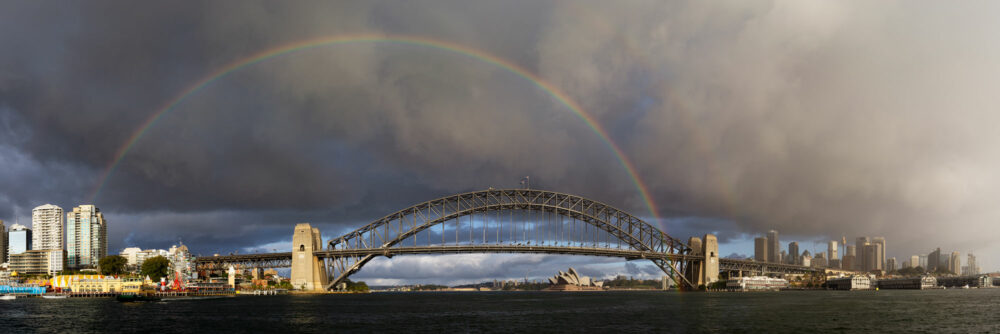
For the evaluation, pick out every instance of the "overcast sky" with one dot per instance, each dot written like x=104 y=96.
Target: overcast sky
x=815 y=118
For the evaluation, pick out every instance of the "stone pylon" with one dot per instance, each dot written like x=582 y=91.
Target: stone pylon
x=308 y=271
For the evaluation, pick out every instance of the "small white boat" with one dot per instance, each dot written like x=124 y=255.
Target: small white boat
x=8 y=297
x=965 y=287
x=54 y=296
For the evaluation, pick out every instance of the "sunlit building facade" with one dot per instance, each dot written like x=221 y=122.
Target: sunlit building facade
x=86 y=237
x=47 y=227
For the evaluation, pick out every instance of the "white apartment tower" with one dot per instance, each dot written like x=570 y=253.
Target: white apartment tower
x=47 y=227
x=86 y=237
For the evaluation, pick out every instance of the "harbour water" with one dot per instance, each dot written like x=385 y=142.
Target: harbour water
x=897 y=311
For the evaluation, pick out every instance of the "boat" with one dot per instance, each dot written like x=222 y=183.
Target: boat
x=8 y=297
x=137 y=298
x=54 y=296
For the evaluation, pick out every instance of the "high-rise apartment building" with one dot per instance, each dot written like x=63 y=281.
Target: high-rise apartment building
x=793 y=253
x=881 y=252
x=3 y=242
x=890 y=264
x=914 y=261
x=973 y=268
x=773 y=247
x=831 y=251
x=18 y=240
x=47 y=227
x=86 y=237
x=955 y=263
x=760 y=249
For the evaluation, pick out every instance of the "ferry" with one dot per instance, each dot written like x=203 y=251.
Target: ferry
x=54 y=296
x=8 y=297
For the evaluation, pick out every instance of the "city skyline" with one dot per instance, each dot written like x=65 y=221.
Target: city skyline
x=814 y=120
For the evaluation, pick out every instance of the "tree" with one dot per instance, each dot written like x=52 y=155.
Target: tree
x=155 y=267
x=112 y=265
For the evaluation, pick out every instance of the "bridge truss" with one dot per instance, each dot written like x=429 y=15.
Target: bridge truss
x=520 y=220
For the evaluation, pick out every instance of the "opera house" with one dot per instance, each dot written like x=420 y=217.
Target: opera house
x=571 y=281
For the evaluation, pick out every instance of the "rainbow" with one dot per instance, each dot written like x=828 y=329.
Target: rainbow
x=381 y=38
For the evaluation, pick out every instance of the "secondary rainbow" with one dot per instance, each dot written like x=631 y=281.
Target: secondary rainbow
x=383 y=38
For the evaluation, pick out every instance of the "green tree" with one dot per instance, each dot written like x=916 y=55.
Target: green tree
x=155 y=267
x=112 y=265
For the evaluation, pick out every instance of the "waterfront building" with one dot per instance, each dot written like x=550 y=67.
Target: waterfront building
x=955 y=263
x=890 y=264
x=793 y=253
x=912 y=283
x=106 y=285
x=47 y=227
x=86 y=237
x=180 y=262
x=41 y=261
x=18 y=240
x=756 y=283
x=760 y=249
x=973 y=281
x=3 y=242
x=856 y=282
x=773 y=246
x=879 y=252
x=831 y=251
x=933 y=260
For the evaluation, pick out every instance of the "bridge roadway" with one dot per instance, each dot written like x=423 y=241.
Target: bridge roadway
x=284 y=260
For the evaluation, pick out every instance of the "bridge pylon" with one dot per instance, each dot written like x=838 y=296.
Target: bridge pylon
x=704 y=268
x=308 y=271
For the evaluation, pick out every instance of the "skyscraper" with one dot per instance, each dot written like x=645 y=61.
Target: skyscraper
x=47 y=227
x=831 y=251
x=914 y=261
x=18 y=240
x=933 y=260
x=86 y=237
x=890 y=264
x=760 y=249
x=773 y=246
x=793 y=253
x=881 y=252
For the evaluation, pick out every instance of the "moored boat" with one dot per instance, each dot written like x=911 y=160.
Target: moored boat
x=54 y=296
x=8 y=297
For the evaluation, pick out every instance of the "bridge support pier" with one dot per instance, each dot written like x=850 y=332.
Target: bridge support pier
x=308 y=271
x=705 y=270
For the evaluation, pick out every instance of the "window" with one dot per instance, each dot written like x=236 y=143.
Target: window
x=302 y=248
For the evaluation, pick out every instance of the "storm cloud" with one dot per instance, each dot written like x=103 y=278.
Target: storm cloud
x=818 y=119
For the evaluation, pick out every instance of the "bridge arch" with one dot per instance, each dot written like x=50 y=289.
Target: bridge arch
x=620 y=233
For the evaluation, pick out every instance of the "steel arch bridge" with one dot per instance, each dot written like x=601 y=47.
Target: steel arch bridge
x=506 y=221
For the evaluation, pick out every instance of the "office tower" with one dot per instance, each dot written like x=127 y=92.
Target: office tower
x=973 y=267
x=955 y=263
x=793 y=253
x=881 y=253
x=3 y=242
x=18 y=240
x=86 y=237
x=760 y=249
x=869 y=260
x=849 y=262
x=860 y=244
x=773 y=246
x=934 y=260
x=784 y=257
x=831 y=251
x=850 y=250
x=890 y=264
x=820 y=260
x=914 y=261
x=47 y=227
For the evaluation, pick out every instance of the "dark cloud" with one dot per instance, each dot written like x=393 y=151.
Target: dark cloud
x=816 y=119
